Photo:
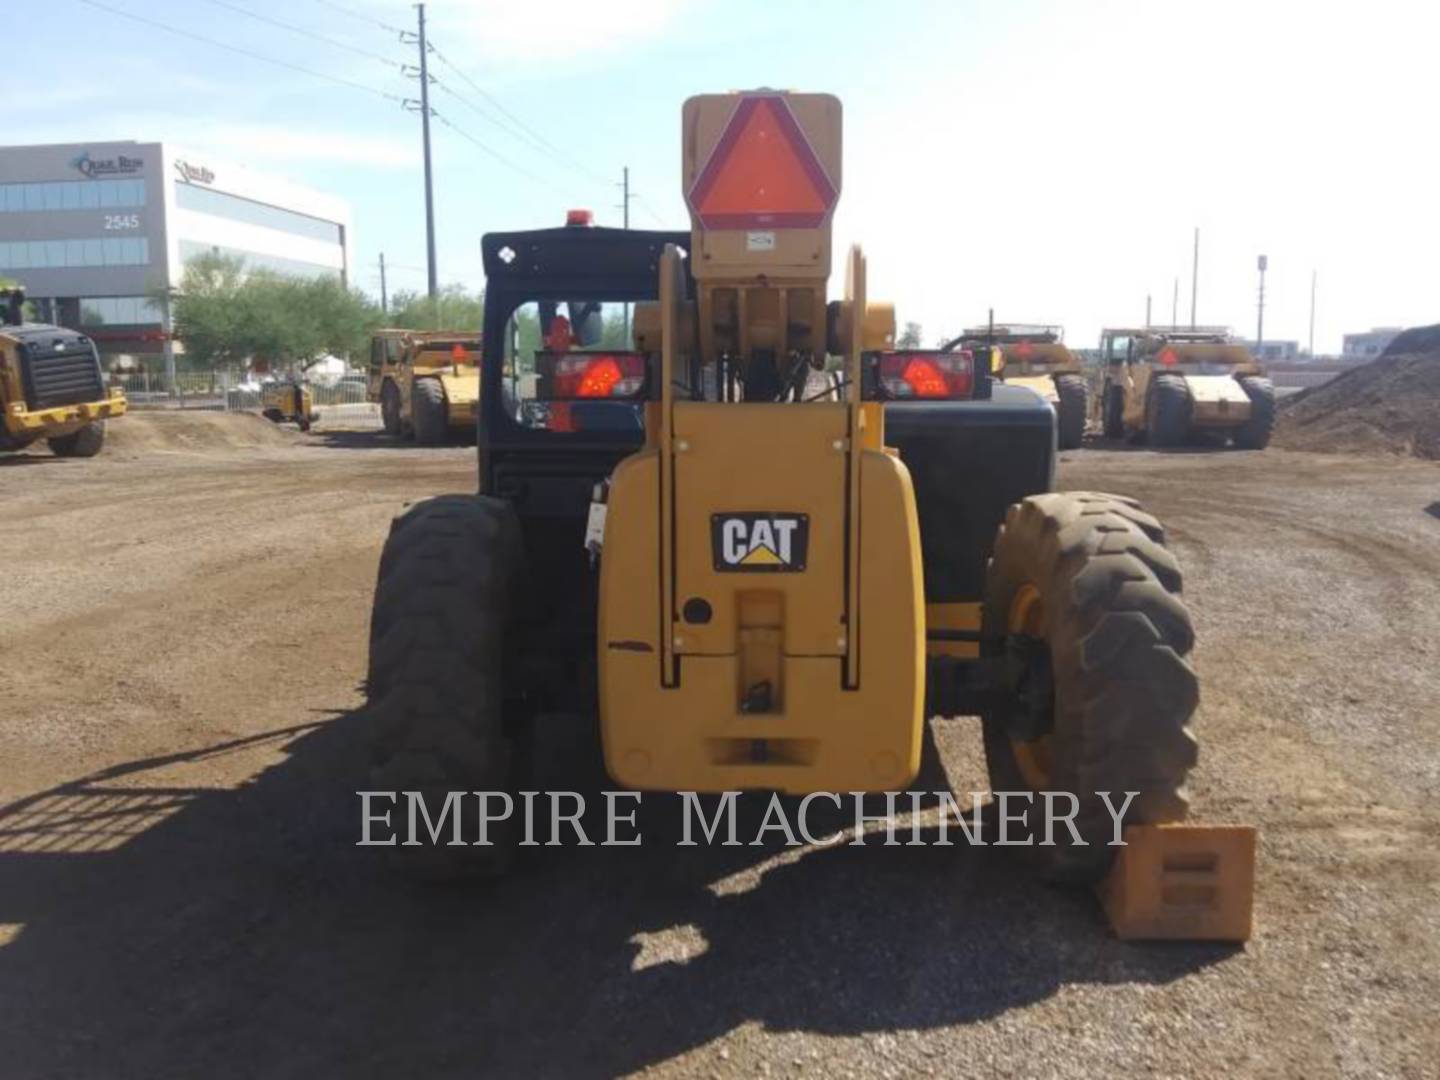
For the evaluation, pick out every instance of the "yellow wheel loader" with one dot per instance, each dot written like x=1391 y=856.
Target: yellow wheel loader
x=1172 y=387
x=288 y=401
x=757 y=576
x=51 y=386
x=1037 y=358
x=426 y=382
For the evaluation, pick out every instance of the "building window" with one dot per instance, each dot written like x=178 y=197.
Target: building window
x=118 y=311
x=74 y=254
x=191 y=249
x=31 y=198
x=234 y=208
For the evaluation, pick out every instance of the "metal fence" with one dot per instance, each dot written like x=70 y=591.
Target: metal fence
x=223 y=391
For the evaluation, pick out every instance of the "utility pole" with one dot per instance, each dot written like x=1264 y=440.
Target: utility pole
x=624 y=208
x=1175 y=305
x=384 y=297
x=1312 y=314
x=1147 y=311
x=423 y=108
x=1194 y=277
x=1260 y=317
x=625 y=196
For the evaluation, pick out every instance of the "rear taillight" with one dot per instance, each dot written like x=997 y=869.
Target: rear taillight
x=912 y=375
x=568 y=376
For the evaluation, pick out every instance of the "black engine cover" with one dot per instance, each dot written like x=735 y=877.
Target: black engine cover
x=970 y=460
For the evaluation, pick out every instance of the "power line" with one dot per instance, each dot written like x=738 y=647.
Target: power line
x=441 y=118
x=469 y=104
x=519 y=126
x=337 y=43
x=157 y=24
x=645 y=205
x=359 y=15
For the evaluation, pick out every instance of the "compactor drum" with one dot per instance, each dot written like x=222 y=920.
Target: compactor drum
x=759 y=541
x=288 y=401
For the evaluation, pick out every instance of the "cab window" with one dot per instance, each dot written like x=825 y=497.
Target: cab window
x=546 y=337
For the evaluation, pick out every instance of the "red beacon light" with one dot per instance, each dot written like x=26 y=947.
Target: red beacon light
x=913 y=375
x=579 y=219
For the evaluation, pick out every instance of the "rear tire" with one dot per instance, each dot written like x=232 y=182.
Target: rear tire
x=1167 y=420
x=1254 y=434
x=1071 y=409
x=427 y=403
x=437 y=638
x=390 y=409
x=83 y=443
x=1087 y=579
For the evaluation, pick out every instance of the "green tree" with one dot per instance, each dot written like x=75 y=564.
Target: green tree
x=454 y=309
x=910 y=337
x=225 y=316
x=206 y=311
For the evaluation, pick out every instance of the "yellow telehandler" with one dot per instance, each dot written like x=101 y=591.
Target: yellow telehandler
x=757 y=578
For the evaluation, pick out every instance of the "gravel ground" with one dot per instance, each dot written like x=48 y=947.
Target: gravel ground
x=180 y=658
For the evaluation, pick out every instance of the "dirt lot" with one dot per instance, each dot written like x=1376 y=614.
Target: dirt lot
x=183 y=639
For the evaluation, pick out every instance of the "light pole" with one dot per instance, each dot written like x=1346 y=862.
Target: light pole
x=1260 y=317
x=1195 y=277
x=1312 y=314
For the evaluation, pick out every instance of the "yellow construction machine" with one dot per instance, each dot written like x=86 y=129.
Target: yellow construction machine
x=288 y=401
x=1171 y=387
x=426 y=382
x=756 y=575
x=1036 y=358
x=51 y=386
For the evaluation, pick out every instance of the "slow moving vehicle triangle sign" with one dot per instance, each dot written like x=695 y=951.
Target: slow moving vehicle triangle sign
x=762 y=173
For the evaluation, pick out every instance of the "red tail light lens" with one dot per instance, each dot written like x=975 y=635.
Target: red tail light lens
x=568 y=376
x=930 y=375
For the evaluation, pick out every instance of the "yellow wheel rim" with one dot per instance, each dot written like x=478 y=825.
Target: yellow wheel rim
x=1027 y=616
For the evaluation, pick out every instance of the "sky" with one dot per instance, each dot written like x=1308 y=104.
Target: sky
x=1049 y=160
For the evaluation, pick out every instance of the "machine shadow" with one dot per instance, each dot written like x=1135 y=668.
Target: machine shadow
x=352 y=439
x=153 y=929
x=1104 y=442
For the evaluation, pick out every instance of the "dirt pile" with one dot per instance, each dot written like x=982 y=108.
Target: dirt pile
x=195 y=431
x=1390 y=405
